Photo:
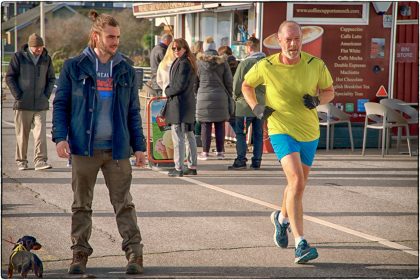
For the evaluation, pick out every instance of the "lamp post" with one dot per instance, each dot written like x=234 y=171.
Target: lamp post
x=16 y=40
x=42 y=20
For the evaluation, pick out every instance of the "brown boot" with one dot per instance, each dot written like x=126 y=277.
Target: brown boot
x=135 y=265
x=78 y=265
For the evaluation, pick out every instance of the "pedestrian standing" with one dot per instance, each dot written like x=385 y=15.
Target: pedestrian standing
x=197 y=48
x=231 y=59
x=31 y=78
x=244 y=116
x=97 y=109
x=156 y=56
x=296 y=82
x=214 y=84
x=162 y=77
x=180 y=108
x=233 y=65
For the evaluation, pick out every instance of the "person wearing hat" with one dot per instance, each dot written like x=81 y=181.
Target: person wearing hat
x=30 y=78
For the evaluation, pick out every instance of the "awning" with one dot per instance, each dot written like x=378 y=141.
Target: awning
x=152 y=10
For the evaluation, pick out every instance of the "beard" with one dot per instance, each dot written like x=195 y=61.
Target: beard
x=111 y=50
x=291 y=54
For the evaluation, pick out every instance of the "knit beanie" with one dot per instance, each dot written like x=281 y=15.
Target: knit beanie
x=35 y=40
x=209 y=44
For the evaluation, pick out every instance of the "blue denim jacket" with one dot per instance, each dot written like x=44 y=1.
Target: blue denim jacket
x=74 y=108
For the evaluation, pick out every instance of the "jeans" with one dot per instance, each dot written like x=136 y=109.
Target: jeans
x=219 y=129
x=182 y=138
x=117 y=174
x=257 y=136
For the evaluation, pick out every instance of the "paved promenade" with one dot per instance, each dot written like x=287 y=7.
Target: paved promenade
x=360 y=212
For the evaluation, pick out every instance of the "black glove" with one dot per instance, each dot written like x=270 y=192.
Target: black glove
x=310 y=101
x=262 y=112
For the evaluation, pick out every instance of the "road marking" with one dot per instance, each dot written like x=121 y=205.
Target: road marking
x=12 y=124
x=380 y=240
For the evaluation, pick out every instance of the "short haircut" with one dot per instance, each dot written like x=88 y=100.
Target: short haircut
x=224 y=50
x=166 y=36
x=253 y=43
x=288 y=22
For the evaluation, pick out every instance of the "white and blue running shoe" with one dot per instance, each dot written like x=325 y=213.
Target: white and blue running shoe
x=280 y=230
x=305 y=253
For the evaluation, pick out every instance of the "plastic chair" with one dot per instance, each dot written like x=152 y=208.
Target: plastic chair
x=383 y=118
x=408 y=113
x=329 y=115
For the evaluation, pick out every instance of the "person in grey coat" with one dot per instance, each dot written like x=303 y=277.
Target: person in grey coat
x=214 y=83
x=31 y=79
x=156 y=56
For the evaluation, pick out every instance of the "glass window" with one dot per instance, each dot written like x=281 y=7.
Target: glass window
x=207 y=25
x=217 y=25
x=190 y=30
x=231 y=28
x=240 y=33
x=223 y=29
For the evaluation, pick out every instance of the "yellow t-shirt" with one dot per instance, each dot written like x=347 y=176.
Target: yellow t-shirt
x=285 y=86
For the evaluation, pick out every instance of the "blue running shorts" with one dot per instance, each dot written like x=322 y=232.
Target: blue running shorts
x=284 y=145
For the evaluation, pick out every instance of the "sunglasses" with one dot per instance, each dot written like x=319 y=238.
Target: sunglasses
x=176 y=48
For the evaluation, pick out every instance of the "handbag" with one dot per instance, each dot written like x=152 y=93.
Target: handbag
x=162 y=111
x=231 y=102
x=160 y=117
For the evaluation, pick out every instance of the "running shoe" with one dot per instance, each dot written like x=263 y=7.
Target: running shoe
x=305 y=253
x=281 y=238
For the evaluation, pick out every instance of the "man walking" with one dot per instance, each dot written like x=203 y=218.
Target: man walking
x=31 y=78
x=97 y=109
x=296 y=83
x=244 y=116
x=156 y=56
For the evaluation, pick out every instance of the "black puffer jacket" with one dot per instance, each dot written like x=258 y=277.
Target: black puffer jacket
x=31 y=85
x=214 y=79
x=180 y=93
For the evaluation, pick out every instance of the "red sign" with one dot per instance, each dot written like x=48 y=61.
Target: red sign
x=406 y=52
x=381 y=92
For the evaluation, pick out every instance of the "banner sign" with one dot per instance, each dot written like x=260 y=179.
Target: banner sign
x=161 y=138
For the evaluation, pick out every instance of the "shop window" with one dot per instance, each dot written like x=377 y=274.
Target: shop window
x=191 y=34
x=217 y=25
x=243 y=28
x=231 y=28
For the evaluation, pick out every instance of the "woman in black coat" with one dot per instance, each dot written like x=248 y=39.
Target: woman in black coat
x=180 y=108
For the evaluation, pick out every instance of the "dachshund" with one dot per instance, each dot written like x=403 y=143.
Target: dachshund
x=22 y=260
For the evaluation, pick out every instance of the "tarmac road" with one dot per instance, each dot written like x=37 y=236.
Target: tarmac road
x=360 y=212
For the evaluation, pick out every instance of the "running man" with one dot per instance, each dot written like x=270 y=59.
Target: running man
x=296 y=82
